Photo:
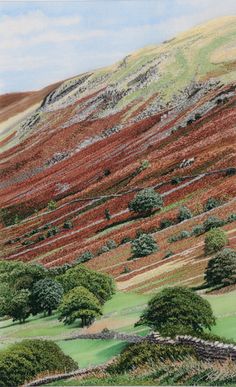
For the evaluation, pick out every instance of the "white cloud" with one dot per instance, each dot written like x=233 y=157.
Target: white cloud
x=33 y=22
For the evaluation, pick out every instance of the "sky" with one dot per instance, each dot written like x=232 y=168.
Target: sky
x=42 y=42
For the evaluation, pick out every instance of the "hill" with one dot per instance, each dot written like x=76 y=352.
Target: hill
x=162 y=117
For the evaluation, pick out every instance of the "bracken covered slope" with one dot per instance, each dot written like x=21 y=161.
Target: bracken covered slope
x=89 y=143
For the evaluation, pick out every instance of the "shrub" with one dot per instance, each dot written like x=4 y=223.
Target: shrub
x=125 y=240
x=53 y=231
x=184 y=214
x=106 y=172
x=86 y=256
x=221 y=270
x=103 y=249
x=68 y=224
x=176 y=180
x=143 y=245
x=111 y=244
x=231 y=171
x=126 y=270
x=144 y=353
x=231 y=218
x=177 y=310
x=198 y=230
x=52 y=205
x=41 y=238
x=168 y=254
x=23 y=361
x=146 y=201
x=215 y=240
x=107 y=214
x=181 y=235
x=79 y=303
x=211 y=203
x=164 y=223
x=212 y=222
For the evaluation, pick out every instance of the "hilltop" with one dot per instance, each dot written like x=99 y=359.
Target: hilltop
x=162 y=117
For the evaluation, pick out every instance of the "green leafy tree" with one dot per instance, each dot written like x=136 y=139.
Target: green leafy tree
x=178 y=310
x=215 y=240
x=184 y=214
x=146 y=201
x=107 y=214
x=101 y=285
x=46 y=295
x=144 y=245
x=79 y=303
x=221 y=270
x=19 y=306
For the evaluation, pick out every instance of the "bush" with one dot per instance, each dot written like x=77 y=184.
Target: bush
x=144 y=353
x=221 y=270
x=198 y=230
x=23 y=361
x=231 y=218
x=212 y=222
x=146 y=201
x=53 y=231
x=125 y=240
x=111 y=244
x=107 y=214
x=231 y=171
x=168 y=254
x=177 y=310
x=211 y=203
x=164 y=223
x=86 y=256
x=176 y=180
x=143 y=245
x=68 y=224
x=215 y=240
x=178 y=237
x=184 y=214
x=52 y=205
x=103 y=249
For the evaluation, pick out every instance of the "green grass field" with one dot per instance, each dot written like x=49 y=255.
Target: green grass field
x=224 y=308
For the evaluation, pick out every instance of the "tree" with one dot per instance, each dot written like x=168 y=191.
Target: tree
x=221 y=270
x=46 y=296
x=101 y=285
x=144 y=245
x=215 y=240
x=19 y=306
x=184 y=214
x=79 y=303
x=146 y=201
x=178 y=310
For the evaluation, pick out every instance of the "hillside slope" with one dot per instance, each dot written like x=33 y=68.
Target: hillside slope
x=91 y=142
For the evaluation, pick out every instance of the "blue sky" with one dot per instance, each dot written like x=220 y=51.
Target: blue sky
x=45 y=41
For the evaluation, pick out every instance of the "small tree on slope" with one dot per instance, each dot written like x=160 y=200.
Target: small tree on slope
x=146 y=201
x=144 y=245
x=215 y=240
x=221 y=270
